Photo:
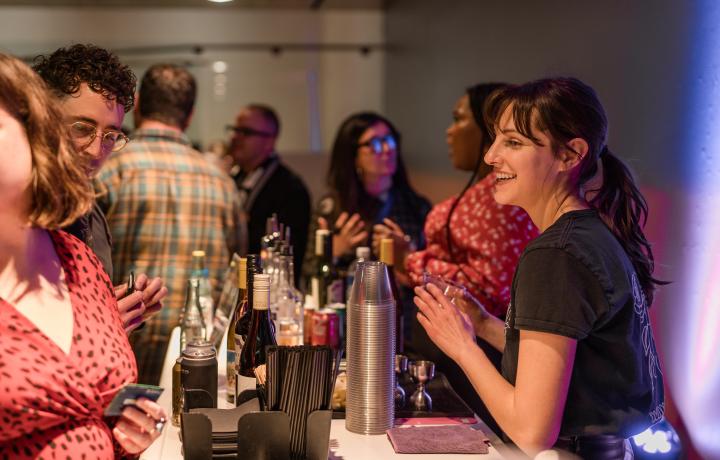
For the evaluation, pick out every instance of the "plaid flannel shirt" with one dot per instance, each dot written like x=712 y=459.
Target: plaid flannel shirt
x=162 y=200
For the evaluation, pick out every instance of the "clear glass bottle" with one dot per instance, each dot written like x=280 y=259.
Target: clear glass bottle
x=192 y=322
x=200 y=272
x=289 y=323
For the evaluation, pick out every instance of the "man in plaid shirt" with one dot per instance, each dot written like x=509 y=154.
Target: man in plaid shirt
x=162 y=200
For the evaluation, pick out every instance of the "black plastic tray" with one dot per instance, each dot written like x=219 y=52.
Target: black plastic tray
x=445 y=402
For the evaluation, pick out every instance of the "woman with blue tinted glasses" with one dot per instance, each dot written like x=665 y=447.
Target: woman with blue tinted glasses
x=367 y=183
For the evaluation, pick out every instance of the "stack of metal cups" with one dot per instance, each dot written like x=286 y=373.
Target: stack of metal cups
x=370 y=404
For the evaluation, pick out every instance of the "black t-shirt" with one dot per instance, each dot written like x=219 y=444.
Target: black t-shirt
x=575 y=280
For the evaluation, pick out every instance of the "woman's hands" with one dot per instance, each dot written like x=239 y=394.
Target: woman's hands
x=472 y=307
x=139 y=426
x=349 y=233
x=448 y=327
x=142 y=304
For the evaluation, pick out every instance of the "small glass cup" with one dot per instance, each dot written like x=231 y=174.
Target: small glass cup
x=451 y=290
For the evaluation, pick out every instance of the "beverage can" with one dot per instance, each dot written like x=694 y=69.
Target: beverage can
x=340 y=310
x=326 y=328
x=198 y=375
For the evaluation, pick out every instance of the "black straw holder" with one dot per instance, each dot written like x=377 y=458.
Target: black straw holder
x=261 y=436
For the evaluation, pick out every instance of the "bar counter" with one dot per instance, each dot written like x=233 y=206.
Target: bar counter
x=343 y=444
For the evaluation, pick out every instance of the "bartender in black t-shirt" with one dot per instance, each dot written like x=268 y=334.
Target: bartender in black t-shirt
x=580 y=370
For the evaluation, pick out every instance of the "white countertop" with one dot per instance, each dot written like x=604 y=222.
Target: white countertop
x=343 y=444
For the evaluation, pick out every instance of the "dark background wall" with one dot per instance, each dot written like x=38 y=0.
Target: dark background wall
x=632 y=53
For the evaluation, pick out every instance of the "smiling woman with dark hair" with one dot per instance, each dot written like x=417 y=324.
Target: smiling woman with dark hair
x=580 y=370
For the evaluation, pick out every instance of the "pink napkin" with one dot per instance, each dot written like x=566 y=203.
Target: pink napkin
x=452 y=439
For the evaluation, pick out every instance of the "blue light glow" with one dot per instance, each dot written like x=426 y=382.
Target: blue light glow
x=696 y=375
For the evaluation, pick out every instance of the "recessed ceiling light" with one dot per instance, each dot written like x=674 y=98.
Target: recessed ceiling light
x=220 y=1
x=219 y=66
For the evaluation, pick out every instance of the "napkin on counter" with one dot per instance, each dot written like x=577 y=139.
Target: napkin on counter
x=452 y=439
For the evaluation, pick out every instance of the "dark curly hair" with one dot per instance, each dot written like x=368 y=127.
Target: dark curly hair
x=67 y=68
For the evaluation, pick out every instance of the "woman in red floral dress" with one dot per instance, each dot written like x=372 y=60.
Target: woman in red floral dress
x=63 y=351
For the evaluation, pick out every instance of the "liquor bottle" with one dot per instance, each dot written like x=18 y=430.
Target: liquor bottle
x=267 y=242
x=192 y=322
x=387 y=256
x=237 y=313
x=260 y=336
x=200 y=272
x=289 y=323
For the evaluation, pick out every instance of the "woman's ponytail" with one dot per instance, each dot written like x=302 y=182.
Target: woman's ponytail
x=624 y=210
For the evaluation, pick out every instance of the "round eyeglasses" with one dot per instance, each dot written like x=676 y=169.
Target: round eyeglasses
x=85 y=133
x=376 y=144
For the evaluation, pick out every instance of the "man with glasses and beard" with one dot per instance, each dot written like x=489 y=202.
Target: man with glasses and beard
x=266 y=185
x=95 y=90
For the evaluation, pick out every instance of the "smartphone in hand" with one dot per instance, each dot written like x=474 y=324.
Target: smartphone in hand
x=129 y=394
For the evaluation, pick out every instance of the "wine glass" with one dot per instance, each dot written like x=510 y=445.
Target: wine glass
x=421 y=373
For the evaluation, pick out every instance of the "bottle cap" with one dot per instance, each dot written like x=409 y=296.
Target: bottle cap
x=362 y=252
x=261 y=282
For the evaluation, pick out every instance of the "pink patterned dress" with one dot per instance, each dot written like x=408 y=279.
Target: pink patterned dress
x=51 y=403
x=488 y=239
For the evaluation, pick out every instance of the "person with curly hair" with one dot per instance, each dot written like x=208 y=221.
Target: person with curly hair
x=63 y=352
x=95 y=90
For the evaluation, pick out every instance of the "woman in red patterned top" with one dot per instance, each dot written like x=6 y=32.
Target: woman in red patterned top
x=63 y=350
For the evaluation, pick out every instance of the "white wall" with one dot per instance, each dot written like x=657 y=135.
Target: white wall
x=312 y=91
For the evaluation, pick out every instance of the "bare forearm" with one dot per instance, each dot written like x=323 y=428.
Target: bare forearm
x=492 y=330
x=500 y=397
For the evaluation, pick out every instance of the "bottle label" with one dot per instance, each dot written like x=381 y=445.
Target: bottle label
x=230 y=373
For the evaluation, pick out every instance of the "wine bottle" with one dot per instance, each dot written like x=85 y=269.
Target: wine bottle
x=326 y=285
x=387 y=256
x=260 y=336
x=240 y=308
x=242 y=326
